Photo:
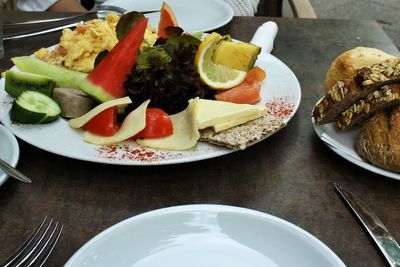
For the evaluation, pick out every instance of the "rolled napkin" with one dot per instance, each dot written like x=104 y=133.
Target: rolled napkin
x=264 y=36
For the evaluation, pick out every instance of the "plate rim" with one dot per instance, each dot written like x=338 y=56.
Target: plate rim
x=206 y=208
x=318 y=129
x=14 y=150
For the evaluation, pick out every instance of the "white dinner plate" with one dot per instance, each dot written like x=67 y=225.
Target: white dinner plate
x=204 y=235
x=345 y=147
x=9 y=150
x=192 y=15
x=280 y=92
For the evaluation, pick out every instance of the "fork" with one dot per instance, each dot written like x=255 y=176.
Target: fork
x=38 y=247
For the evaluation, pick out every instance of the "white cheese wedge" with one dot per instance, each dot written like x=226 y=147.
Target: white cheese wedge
x=185 y=133
x=82 y=120
x=132 y=124
x=223 y=115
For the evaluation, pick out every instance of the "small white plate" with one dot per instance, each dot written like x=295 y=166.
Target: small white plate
x=204 y=235
x=345 y=141
x=9 y=150
x=192 y=15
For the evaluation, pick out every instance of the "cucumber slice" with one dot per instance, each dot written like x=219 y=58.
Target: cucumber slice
x=33 y=107
x=18 y=82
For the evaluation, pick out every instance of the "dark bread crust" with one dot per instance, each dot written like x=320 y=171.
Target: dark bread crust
x=379 y=140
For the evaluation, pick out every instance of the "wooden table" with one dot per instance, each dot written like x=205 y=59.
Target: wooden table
x=289 y=175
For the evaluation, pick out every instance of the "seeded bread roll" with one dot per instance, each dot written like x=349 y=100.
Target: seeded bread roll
x=379 y=140
x=345 y=65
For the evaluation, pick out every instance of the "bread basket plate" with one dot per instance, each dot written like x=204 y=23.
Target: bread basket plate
x=280 y=92
x=344 y=146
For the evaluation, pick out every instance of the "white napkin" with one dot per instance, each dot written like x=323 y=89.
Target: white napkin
x=264 y=36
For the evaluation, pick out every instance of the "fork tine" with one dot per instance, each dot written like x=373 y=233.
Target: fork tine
x=23 y=247
x=42 y=255
x=36 y=250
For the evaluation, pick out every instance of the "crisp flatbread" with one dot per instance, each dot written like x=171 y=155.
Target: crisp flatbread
x=241 y=136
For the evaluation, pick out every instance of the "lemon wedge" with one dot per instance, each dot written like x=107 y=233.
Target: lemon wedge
x=216 y=76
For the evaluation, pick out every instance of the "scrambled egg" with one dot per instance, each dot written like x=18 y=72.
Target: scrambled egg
x=79 y=48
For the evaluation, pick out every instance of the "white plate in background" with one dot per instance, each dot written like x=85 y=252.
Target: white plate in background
x=192 y=15
x=9 y=150
x=204 y=235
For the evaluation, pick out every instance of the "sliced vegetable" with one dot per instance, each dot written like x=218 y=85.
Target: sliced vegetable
x=158 y=124
x=82 y=120
x=34 y=107
x=105 y=123
x=185 y=134
x=107 y=79
x=132 y=124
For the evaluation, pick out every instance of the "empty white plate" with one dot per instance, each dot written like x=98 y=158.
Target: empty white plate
x=204 y=235
x=9 y=150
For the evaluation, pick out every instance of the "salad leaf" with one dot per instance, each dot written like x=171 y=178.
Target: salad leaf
x=126 y=22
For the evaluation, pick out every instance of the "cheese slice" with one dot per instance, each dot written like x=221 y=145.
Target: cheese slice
x=132 y=124
x=185 y=134
x=223 y=115
x=82 y=120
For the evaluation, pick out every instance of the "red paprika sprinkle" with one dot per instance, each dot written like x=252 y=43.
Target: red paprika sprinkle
x=280 y=108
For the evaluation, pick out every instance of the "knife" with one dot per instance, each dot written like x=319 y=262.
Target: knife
x=377 y=230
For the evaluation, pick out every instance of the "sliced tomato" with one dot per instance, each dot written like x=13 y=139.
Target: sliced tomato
x=105 y=123
x=158 y=124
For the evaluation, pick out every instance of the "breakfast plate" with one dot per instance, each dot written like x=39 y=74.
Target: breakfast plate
x=280 y=92
x=9 y=150
x=192 y=15
x=204 y=235
x=345 y=147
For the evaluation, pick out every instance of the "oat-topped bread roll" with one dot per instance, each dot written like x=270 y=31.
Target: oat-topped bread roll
x=379 y=140
x=346 y=92
x=345 y=65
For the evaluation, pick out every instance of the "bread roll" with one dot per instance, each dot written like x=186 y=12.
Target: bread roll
x=345 y=65
x=379 y=140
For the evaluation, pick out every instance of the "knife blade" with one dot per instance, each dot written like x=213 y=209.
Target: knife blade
x=377 y=230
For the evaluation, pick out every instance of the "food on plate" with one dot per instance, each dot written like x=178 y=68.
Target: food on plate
x=73 y=102
x=63 y=77
x=167 y=19
x=220 y=115
x=82 y=120
x=166 y=74
x=133 y=123
x=158 y=124
x=346 y=92
x=379 y=140
x=79 y=48
x=248 y=92
x=185 y=133
x=107 y=79
x=241 y=136
x=366 y=86
x=34 y=108
x=161 y=96
x=346 y=65
x=240 y=56
x=214 y=75
x=385 y=97
x=16 y=82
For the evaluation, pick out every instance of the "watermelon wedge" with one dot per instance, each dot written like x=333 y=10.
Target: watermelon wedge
x=106 y=81
x=167 y=19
